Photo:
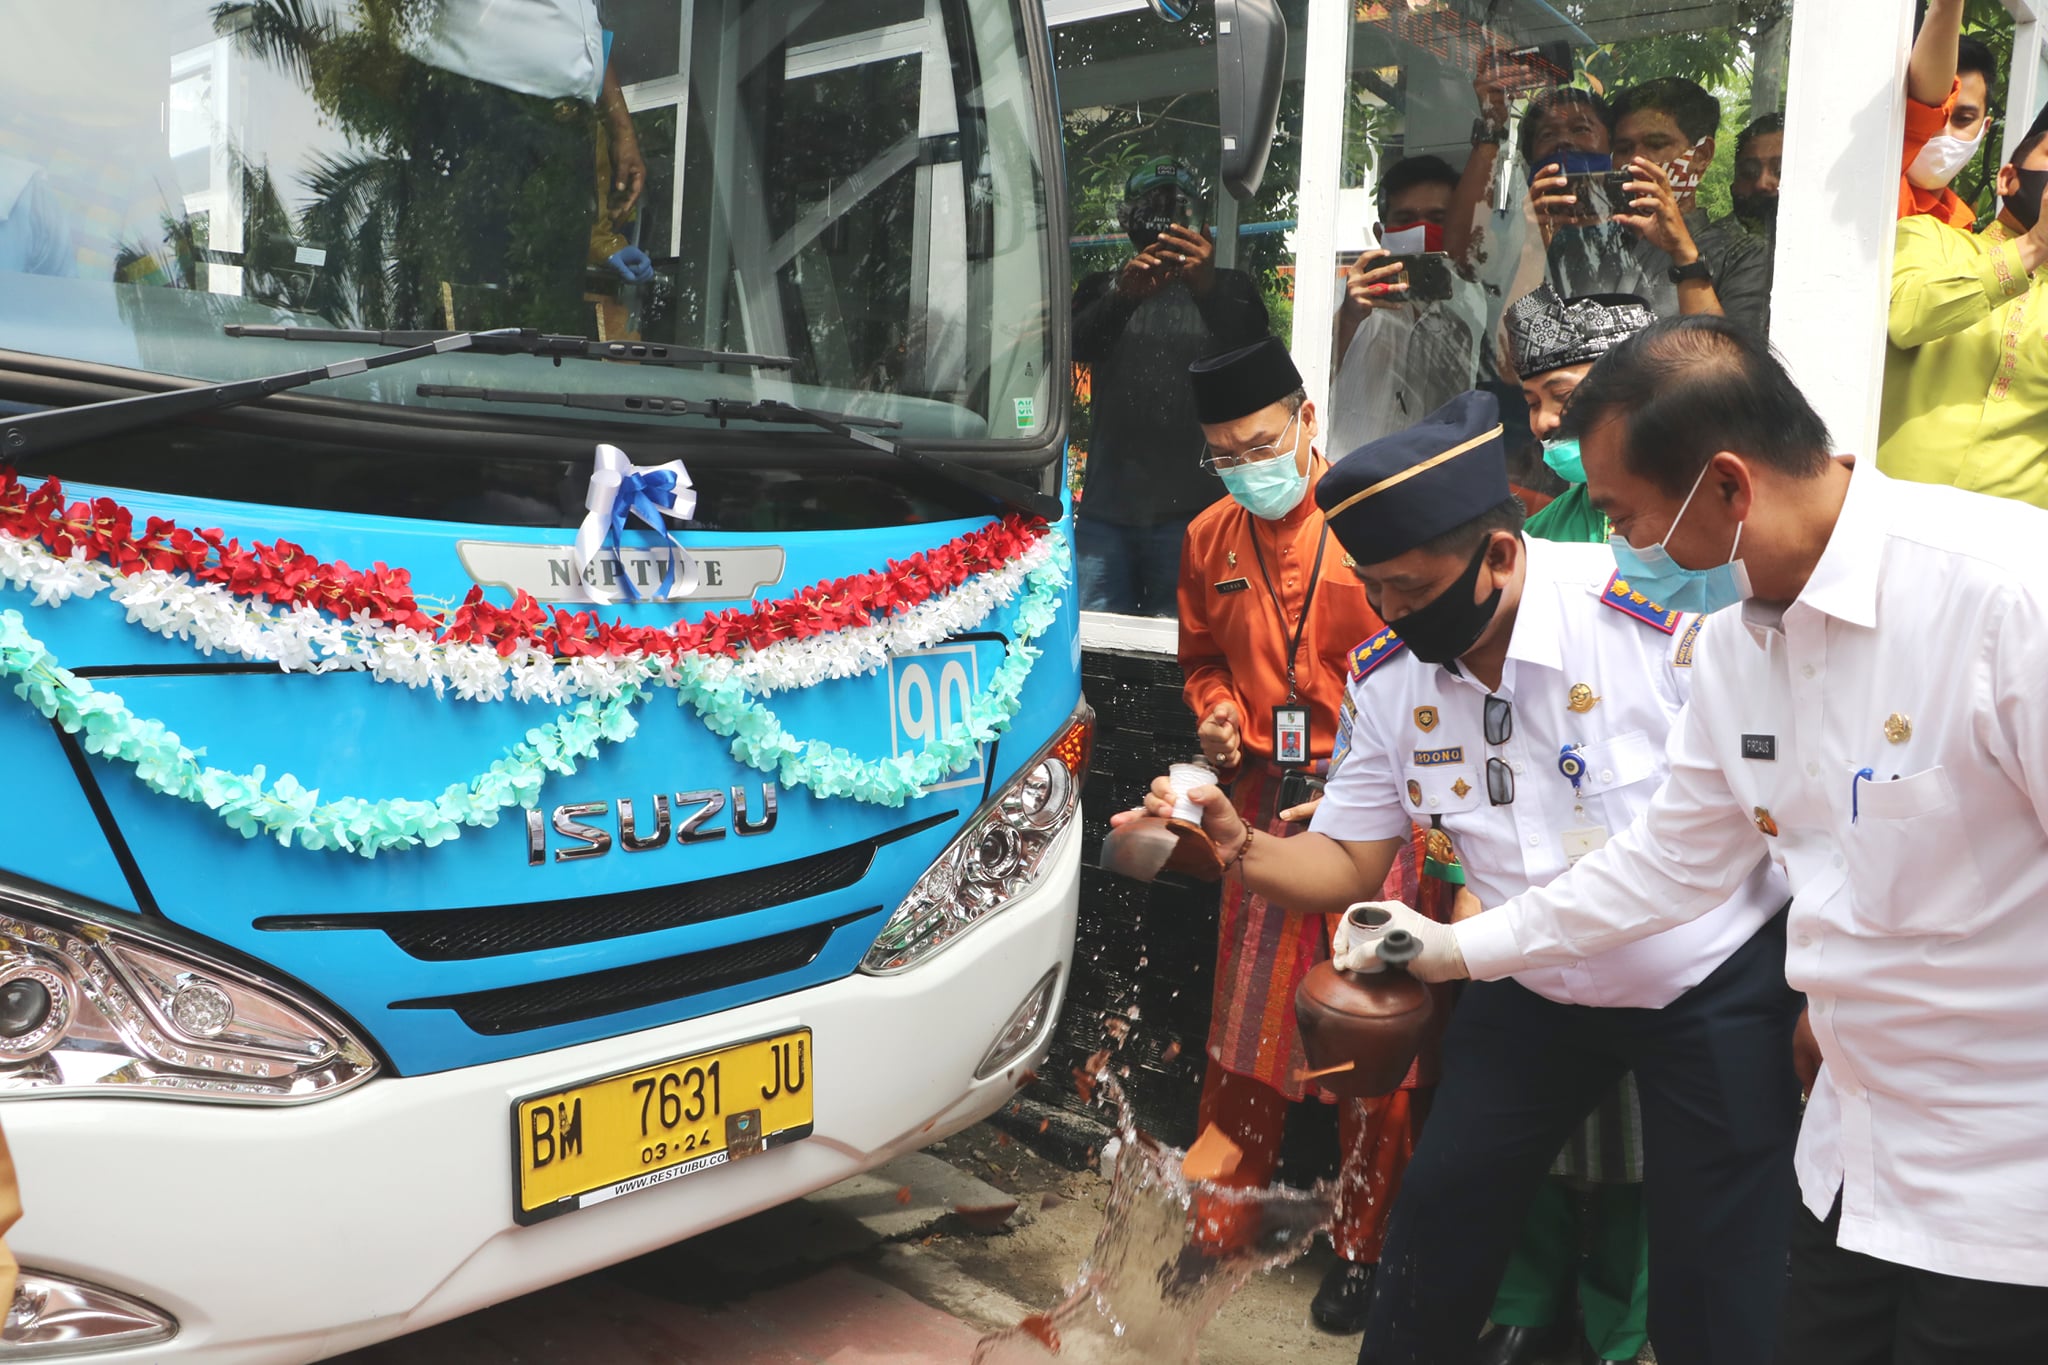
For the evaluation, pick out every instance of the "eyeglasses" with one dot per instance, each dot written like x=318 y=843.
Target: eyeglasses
x=1499 y=724
x=1216 y=461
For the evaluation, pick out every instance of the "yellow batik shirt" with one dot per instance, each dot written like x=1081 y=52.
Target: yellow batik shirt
x=1966 y=370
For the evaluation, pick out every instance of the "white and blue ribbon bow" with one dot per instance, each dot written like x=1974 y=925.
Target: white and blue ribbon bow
x=621 y=492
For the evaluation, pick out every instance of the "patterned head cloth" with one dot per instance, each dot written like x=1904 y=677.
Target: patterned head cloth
x=1548 y=333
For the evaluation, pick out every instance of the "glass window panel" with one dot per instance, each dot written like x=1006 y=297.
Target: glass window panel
x=1138 y=100
x=1453 y=108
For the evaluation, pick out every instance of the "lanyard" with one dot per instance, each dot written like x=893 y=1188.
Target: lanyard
x=1307 y=598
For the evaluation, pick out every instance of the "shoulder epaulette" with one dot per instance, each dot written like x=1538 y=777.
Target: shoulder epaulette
x=1374 y=652
x=1619 y=595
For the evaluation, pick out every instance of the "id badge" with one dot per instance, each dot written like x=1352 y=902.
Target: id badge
x=1290 y=734
x=1581 y=841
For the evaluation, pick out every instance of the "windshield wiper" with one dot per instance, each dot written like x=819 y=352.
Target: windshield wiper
x=638 y=404
x=40 y=433
x=773 y=410
x=528 y=341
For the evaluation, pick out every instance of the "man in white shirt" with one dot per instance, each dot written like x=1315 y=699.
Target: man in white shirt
x=1519 y=705
x=1873 y=718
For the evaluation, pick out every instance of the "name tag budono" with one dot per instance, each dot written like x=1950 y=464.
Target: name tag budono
x=1760 y=746
x=1438 y=758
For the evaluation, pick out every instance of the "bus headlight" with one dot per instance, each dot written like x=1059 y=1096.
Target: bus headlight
x=90 y=1006
x=996 y=859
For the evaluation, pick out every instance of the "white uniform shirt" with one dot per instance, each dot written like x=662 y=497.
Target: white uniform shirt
x=1918 y=650
x=1418 y=749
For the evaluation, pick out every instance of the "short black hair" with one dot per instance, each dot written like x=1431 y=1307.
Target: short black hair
x=1410 y=171
x=1463 y=540
x=1696 y=113
x=1545 y=103
x=1687 y=388
x=1763 y=127
x=2036 y=130
x=1973 y=55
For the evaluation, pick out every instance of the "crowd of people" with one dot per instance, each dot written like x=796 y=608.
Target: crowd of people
x=1564 y=635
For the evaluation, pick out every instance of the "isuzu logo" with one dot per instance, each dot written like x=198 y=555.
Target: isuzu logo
x=699 y=817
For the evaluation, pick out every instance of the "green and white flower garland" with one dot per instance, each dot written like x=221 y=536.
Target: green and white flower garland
x=716 y=688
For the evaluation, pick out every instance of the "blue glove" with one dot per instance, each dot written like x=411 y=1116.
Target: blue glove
x=632 y=264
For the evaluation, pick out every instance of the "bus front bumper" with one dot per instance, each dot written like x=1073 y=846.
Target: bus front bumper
x=291 y=1234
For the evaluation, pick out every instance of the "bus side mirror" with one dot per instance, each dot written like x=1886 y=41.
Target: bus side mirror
x=1251 y=61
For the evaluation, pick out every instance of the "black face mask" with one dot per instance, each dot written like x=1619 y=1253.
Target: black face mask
x=1452 y=622
x=2026 y=205
x=1760 y=209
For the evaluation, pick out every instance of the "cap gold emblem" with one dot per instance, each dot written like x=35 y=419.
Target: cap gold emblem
x=1461 y=786
x=1765 y=823
x=1582 y=699
x=1897 y=728
x=1425 y=718
x=1414 y=792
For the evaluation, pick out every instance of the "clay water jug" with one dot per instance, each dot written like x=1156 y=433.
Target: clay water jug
x=1372 y=1020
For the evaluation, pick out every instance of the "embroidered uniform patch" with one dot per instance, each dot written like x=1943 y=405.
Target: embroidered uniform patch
x=1683 y=658
x=1437 y=758
x=1619 y=595
x=1374 y=652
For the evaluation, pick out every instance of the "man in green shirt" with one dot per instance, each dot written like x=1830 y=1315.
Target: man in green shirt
x=1554 y=342
x=1966 y=376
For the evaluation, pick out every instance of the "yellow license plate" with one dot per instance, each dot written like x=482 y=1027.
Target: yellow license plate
x=628 y=1132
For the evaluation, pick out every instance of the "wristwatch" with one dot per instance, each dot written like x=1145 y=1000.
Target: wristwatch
x=1485 y=130
x=1696 y=271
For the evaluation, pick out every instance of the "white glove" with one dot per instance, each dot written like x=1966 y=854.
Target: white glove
x=1354 y=948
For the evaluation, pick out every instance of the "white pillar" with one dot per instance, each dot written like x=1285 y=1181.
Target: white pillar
x=1844 y=124
x=1326 y=63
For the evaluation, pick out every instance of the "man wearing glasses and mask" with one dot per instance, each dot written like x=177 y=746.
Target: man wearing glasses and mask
x=1518 y=706
x=1268 y=615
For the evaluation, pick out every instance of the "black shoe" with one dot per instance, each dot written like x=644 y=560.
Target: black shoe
x=1520 y=1345
x=1345 y=1297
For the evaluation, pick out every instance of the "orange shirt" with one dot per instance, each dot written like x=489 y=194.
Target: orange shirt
x=1233 y=642
x=1925 y=121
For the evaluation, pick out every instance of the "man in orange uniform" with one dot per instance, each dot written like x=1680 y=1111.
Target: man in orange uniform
x=1948 y=110
x=1269 y=613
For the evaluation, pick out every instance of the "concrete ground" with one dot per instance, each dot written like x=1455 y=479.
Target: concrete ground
x=908 y=1265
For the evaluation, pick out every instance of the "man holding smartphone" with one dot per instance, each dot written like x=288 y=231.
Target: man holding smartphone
x=1138 y=329
x=1268 y=615
x=1409 y=321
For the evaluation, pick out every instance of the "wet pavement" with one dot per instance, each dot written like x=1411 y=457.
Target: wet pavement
x=900 y=1266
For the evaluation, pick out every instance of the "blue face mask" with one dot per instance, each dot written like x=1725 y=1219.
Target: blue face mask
x=1571 y=161
x=1563 y=459
x=1271 y=488
x=1653 y=573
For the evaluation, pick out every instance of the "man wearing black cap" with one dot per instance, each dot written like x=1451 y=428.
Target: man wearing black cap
x=1268 y=615
x=1518 y=705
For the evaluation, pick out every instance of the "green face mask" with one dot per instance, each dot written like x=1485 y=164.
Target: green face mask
x=1563 y=459
x=1271 y=488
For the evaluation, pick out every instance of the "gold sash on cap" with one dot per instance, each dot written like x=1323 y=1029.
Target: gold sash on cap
x=1431 y=463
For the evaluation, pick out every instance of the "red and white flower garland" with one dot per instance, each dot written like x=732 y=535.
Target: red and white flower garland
x=276 y=603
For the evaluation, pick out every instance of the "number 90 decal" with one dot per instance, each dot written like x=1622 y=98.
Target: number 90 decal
x=929 y=693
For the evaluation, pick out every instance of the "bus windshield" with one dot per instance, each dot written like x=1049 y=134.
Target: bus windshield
x=854 y=185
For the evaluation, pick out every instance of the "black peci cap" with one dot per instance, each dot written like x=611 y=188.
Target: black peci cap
x=1404 y=490
x=1241 y=382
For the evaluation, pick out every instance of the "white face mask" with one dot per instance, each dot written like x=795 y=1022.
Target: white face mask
x=1943 y=158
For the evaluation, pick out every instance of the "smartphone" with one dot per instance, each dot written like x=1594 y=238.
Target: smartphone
x=1600 y=195
x=1147 y=222
x=1428 y=274
x=1525 y=70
